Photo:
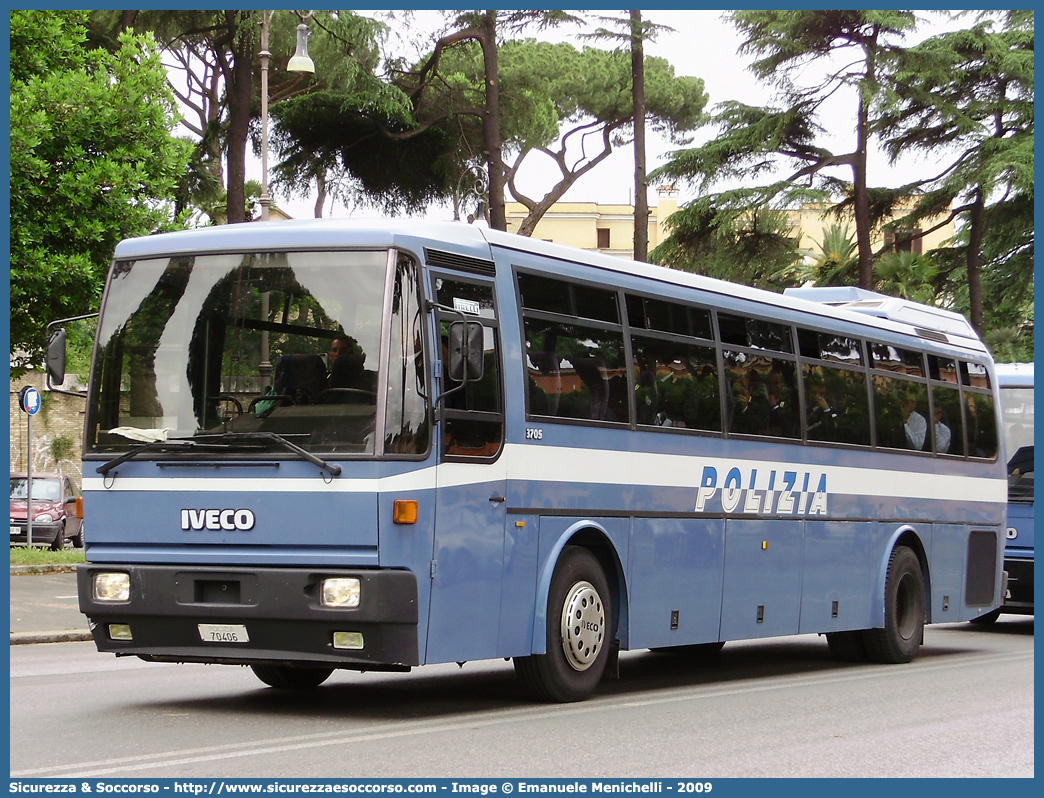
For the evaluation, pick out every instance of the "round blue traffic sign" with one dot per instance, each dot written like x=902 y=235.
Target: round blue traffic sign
x=29 y=400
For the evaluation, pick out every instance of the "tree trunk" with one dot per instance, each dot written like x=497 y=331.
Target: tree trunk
x=861 y=208
x=491 y=122
x=239 y=92
x=320 y=184
x=641 y=182
x=976 y=220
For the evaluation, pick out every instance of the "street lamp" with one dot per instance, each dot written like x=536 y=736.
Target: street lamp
x=300 y=62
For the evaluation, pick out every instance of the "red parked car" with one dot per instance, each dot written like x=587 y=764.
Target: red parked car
x=57 y=510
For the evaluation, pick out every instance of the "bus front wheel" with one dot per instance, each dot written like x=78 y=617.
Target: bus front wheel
x=286 y=677
x=901 y=636
x=579 y=620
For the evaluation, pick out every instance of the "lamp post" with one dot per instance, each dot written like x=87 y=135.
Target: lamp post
x=300 y=62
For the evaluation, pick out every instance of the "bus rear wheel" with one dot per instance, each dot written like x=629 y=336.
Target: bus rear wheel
x=579 y=620
x=901 y=636
x=286 y=677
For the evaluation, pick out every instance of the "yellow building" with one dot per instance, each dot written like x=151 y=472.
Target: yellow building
x=610 y=228
x=590 y=225
x=813 y=220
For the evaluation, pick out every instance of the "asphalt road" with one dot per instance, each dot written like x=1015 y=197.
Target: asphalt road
x=44 y=607
x=773 y=708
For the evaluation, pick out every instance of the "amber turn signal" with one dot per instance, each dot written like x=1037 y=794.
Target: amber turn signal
x=405 y=511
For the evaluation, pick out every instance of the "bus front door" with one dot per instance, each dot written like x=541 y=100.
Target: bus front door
x=471 y=498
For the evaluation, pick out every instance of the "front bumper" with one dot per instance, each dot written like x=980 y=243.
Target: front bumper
x=278 y=607
x=42 y=532
x=1019 y=598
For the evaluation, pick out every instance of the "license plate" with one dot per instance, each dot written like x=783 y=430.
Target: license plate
x=16 y=530
x=223 y=633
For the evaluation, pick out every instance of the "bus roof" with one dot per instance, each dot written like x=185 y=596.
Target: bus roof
x=862 y=308
x=1015 y=375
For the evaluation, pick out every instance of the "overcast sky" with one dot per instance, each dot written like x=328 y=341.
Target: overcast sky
x=702 y=44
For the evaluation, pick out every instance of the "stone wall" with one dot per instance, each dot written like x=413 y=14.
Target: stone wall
x=60 y=415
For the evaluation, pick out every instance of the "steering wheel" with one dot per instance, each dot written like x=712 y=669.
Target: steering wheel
x=227 y=399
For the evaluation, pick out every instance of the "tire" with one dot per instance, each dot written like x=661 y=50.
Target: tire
x=59 y=539
x=579 y=620
x=847 y=646
x=901 y=636
x=285 y=677
x=988 y=618
x=77 y=540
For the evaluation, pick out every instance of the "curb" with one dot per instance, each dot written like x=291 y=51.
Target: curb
x=19 y=570
x=26 y=638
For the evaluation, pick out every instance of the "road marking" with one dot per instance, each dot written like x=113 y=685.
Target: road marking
x=394 y=730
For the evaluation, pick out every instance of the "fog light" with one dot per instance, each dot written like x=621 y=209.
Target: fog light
x=352 y=640
x=111 y=587
x=341 y=592
x=120 y=631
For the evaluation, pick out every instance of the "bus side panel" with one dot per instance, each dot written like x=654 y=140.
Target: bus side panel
x=840 y=565
x=675 y=567
x=518 y=596
x=761 y=595
x=947 y=572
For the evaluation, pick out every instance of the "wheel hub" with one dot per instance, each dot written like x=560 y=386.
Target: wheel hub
x=583 y=626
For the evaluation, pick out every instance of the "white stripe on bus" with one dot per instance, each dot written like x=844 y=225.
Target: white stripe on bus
x=592 y=467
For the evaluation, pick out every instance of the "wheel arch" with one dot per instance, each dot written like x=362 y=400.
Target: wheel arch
x=595 y=538
x=904 y=535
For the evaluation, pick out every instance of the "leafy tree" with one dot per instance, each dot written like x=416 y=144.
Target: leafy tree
x=355 y=134
x=214 y=55
x=554 y=95
x=93 y=160
x=757 y=142
x=753 y=247
x=836 y=263
x=969 y=94
x=483 y=28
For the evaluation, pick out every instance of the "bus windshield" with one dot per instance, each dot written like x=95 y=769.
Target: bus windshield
x=275 y=342
x=1017 y=407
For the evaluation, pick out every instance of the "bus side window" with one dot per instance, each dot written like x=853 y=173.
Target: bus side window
x=982 y=425
x=838 y=407
x=676 y=385
x=473 y=416
x=948 y=421
x=901 y=414
x=763 y=399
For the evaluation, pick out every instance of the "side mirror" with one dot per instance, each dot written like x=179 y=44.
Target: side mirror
x=55 y=358
x=465 y=351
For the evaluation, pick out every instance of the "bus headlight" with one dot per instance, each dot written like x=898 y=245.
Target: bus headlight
x=111 y=587
x=341 y=592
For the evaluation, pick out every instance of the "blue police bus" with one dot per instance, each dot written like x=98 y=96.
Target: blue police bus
x=1016 y=398
x=319 y=445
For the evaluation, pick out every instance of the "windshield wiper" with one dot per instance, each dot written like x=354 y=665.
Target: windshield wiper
x=151 y=446
x=230 y=437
